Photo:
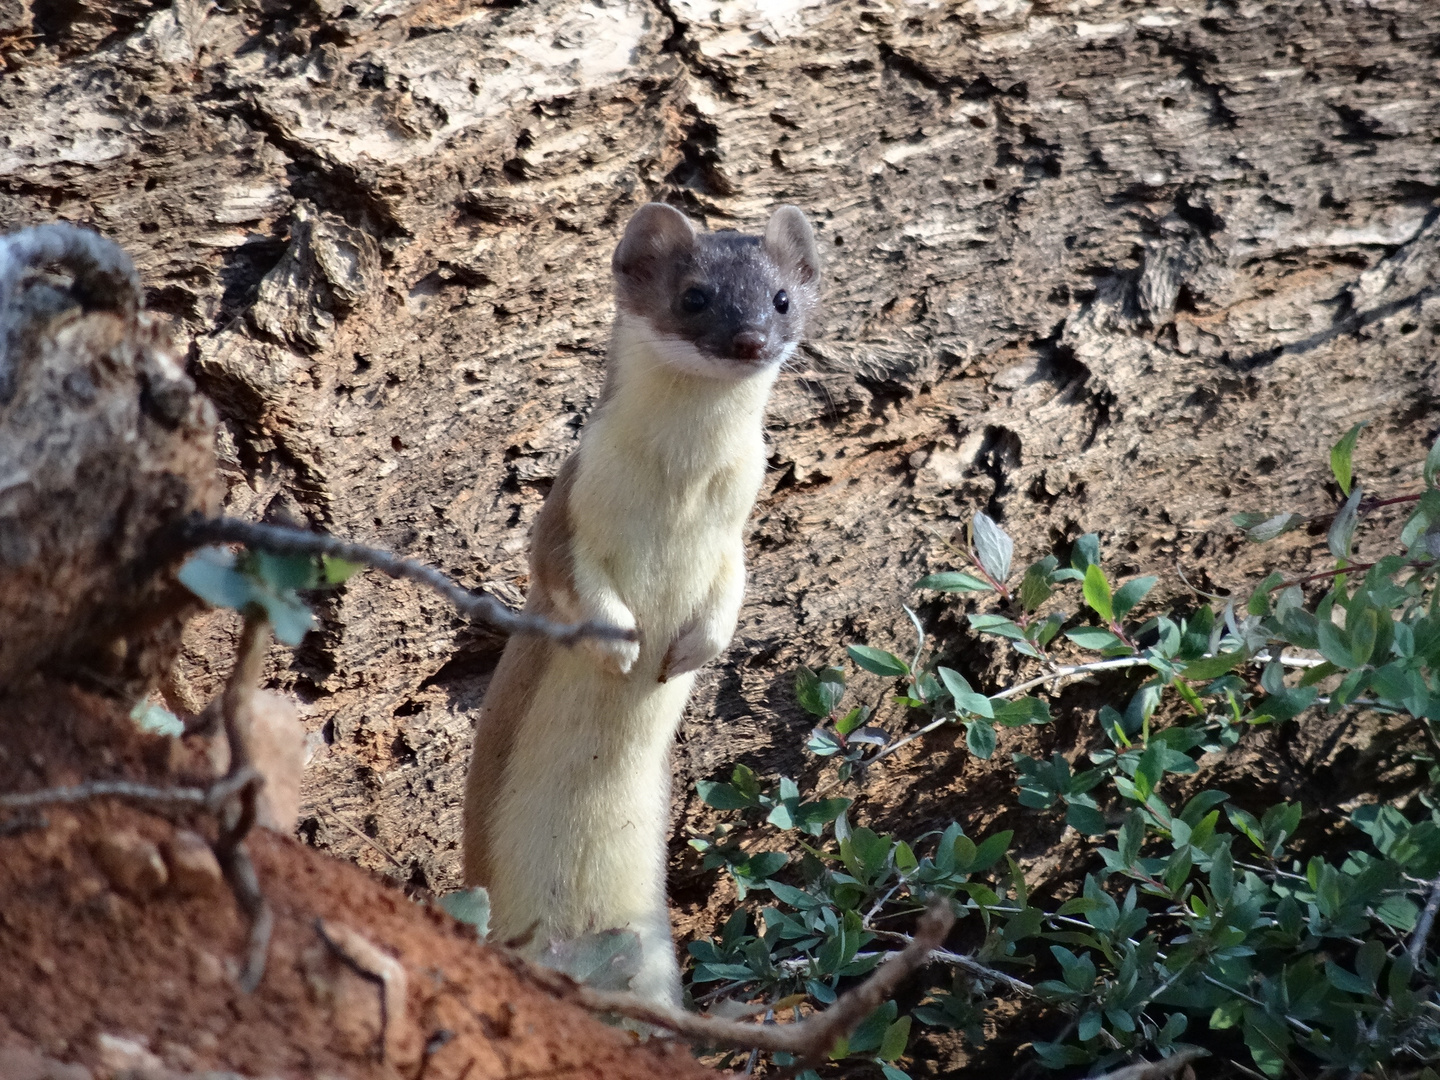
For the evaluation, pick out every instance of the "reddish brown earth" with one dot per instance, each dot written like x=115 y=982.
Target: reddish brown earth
x=86 y=962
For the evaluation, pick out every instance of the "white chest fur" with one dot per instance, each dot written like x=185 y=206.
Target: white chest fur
x=668 y=469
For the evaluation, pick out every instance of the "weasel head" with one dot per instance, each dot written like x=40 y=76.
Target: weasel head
x=724 y=305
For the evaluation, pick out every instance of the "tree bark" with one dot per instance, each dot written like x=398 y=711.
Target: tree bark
x=105 y=445
x=1127 y=269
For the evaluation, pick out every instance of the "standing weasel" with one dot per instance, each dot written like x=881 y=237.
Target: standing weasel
x=568 y=798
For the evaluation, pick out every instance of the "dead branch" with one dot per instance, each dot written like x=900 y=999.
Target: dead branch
x=808 y=1040
x=212 y=797
x=238 y=816
x=1155 y=1070
x=1423 y=925
x=479 y=607
x=370 y=963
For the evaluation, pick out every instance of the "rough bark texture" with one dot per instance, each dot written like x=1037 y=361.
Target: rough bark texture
x=105 y=444
x=1093 y=266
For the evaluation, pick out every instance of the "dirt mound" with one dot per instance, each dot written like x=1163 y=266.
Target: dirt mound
x=121 y=944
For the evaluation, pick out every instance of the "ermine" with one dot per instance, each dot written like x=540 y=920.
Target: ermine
x=568 y=799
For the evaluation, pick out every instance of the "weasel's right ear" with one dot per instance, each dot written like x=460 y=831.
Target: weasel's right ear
x=791 y=243
x=655 y=236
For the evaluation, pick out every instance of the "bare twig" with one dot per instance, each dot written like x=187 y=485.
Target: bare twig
x=1155 y=1070
x=362 y=957
x=808 y=1040
x=212 y=797
x=240 y=872
x=477 y=606
x=360 y=833
x=1353 y=568
x=238 y=816
x=965 y=963
x=238 y=698
x=1423 y=925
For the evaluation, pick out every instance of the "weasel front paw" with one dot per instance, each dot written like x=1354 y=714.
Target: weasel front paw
x=614 y=655
x=693 y=648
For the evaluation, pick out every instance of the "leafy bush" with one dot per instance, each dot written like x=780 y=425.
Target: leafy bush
x=1197 y=914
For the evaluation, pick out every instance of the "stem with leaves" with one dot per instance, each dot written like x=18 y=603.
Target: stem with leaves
x=283 y=540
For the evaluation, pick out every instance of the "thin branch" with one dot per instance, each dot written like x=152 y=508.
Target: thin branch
x=212 y=797
x=480 y=607
x=238 y=816
x=1353 y=568
x=966 y=963
x=387 y=974
x=1423 y=925
x=1071 y=671
x=328 y=816
x=808 y=1040
x=1155 y=1070
x=244 y=882
x=237 y=700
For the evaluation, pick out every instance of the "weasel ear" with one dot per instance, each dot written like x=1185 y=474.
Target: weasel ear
x=791 y=243
x=656 y=235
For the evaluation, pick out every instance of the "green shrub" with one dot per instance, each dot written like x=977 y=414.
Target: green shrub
x=1197 y=916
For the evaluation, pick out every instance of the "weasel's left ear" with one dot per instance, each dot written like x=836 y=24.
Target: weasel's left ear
x=791 y=243
x=656 y=235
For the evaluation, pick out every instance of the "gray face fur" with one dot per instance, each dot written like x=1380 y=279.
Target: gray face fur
x=716 y=293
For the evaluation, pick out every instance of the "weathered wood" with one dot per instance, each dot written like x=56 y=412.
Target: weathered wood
x=104 y=446
x=1110 y=267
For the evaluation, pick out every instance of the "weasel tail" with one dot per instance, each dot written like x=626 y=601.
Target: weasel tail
x=568 y=799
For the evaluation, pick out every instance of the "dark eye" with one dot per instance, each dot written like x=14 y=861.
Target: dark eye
x=693 y=301
x=782 y=301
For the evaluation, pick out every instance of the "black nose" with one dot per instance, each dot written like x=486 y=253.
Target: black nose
x=748 y=345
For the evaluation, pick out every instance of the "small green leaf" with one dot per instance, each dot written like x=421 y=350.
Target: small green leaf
x=722 y=796
x=605 y=960
x=469 y=906
x=289 y=618
x=965 y=697
x=1340 y=455
x=1095 y=638
x=1020 y=711
x=991 y=850
x=1085 y=552
x=1261 y=528
x=993 y=547
x=282 y=572
x=1432 y=464
x=1086 y=819
x=852 y=720
x=816 y=695
x=1097 y=593
x=1212 y=667
x=897 y=1035
x=1342 y=529
x=878 y=661
x=980 y=738
x=335 y=571
x=211 y=575
x=954 y=581
x=1131 y=593
x=1035 y=585
x=156 y=718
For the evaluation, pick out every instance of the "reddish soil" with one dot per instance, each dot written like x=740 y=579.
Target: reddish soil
x=85 y=963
